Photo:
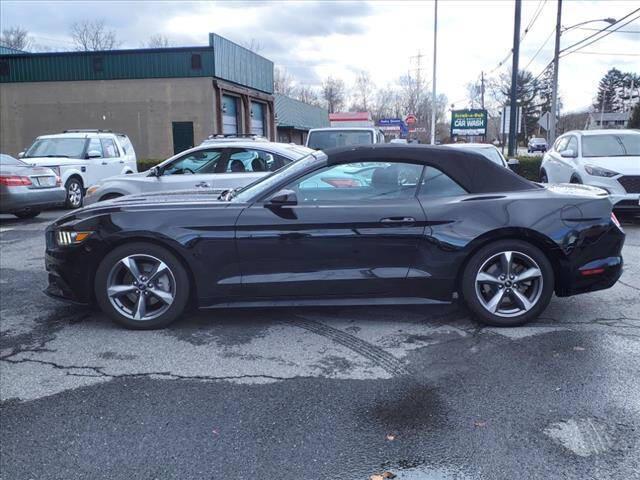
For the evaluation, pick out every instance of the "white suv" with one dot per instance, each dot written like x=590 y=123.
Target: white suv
x=82 y=158
x=609 y=159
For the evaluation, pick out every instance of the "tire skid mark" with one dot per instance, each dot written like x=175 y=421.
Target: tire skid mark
x=380 y=357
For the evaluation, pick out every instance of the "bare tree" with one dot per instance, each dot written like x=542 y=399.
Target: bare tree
x=15 y=37
x=158 y=41
x=282 y=81
x=363 y=92
x=333 y=92
x=254 y=45
x=93 y=35
x=306 y=94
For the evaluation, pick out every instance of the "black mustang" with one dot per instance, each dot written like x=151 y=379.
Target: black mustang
x=371 y=225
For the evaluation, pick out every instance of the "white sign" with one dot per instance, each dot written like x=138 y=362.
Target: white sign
x=544 y=120
x=506 y=120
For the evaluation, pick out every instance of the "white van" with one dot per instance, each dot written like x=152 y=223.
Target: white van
x=324 y=138
x=82 y=158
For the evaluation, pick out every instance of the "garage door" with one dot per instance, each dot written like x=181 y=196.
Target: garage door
x=257 y=119
x=229 y=114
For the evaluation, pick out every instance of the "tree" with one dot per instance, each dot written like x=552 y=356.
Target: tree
x=307 y=94
x=15 y=37
x=364 y=90
x=333 y=92
x=254 y=45
x=634 y=121
x=282 y=81
x=527 y=91
x=93 y=35
x=607 y=96
x=158 y=41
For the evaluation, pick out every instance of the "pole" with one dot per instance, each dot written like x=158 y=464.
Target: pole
x=513 y=123
x=435 y=50
x=554 y=86
x=484 y=137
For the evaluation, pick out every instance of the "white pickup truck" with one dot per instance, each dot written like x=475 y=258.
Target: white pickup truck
x=323 y=138
x=82 y=158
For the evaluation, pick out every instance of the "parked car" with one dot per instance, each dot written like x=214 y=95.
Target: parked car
x=537 y=145
x=26 y=190
x=609 y=159
x=324 y=138
x=489 y=151
x=213 y=165
x=452 y=221
x=82 y=158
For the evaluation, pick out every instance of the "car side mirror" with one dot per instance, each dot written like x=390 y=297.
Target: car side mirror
x=21 y=154
x=514 y=164
x=568 y=153
x=283 y=198
x=155 y=172
x=93 y=154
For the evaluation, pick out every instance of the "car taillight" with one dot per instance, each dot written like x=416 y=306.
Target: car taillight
x=58 y=181
x=14 y=180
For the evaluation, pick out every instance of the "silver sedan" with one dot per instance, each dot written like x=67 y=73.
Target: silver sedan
x=212 y=166
x=26 y=190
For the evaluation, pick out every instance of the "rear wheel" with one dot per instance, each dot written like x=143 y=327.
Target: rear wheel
x=75 y=193
x=508 y=283
x=142 y=286
x=27 y=213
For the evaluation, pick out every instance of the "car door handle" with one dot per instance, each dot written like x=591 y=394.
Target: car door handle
x=105 y=163
x=398 y=220
x=203 y=185
x=121 y=161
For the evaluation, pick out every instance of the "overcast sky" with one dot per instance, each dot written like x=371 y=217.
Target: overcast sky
x=316 y=39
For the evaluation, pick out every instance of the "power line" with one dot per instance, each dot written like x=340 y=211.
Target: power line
x=606 y=34
x=540 y=49
x=599 y=30
x=609 y=53
x=604 y=30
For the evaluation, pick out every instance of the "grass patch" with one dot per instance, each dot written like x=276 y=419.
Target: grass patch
x=530 y=167
x=145 y=164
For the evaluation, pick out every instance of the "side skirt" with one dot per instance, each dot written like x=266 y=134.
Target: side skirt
x=321 y=302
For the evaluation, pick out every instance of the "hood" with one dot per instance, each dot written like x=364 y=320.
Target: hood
x=576 y=190
x=628 y=165
x=53 y=161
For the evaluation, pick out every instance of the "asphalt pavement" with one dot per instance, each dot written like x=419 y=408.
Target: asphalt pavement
x=315 y=393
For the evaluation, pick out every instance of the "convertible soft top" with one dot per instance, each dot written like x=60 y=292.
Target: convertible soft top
x=474 y=172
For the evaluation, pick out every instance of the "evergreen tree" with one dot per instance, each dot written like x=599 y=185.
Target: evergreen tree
x=609 y=90
x=634 y=121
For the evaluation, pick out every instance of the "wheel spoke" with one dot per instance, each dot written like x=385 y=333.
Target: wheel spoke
x=166 y=297
x=141 y=308
x=493 y=304
x=528 y=275
x=117 y=290
x=131 y=265
x=484 y=277
x=505 y=263
x=521 y=299
x=158 y=271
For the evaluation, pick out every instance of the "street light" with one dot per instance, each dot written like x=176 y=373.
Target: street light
x=556 y=60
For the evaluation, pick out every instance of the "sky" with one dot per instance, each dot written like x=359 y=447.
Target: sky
x=314 y=39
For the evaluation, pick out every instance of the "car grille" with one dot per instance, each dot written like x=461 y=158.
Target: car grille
x=631 y=183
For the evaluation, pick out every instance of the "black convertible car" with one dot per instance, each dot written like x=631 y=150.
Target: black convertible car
x=369 y=225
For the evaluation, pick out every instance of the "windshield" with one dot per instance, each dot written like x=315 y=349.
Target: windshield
x=323 y=139
x=8 y=160
x=264 y=184
x=610 y=145
x=57 y=147
x=538 y=140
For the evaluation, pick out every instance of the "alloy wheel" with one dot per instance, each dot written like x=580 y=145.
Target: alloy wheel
x=74 y=194
x=141 y=287
x=509 y=284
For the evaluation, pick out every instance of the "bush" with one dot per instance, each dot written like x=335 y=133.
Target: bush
x=145 y=164
x=530 y=167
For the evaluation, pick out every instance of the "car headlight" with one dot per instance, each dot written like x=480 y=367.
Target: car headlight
x=93 y=189
x=65 y=238
x=599 y=171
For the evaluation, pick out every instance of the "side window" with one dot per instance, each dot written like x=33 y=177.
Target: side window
x=202 y=161
x=438 y=184
x=572 y=144
x=359 y=182
x=95 y=146
x=560 y=144
x=247 y=160
x=125 y=144
x=109 y=148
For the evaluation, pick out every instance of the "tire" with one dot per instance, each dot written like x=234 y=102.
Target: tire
x=27 y=213
x=75 y=193
x=162 y=304
x=576 y=180
x=543 y=177
x=481 y=293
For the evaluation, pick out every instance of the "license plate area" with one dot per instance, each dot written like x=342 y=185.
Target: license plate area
x=44 y=181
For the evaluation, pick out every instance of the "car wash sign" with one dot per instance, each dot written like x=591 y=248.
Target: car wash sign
x=468 y=122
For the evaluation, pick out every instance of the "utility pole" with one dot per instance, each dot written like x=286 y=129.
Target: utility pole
x=513 y=111
x=482 y=90
x=554 y=87
x=433 y=99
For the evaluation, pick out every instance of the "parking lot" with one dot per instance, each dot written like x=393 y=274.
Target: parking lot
x=423 y=392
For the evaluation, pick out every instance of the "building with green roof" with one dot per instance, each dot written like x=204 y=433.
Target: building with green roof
x=295 y=118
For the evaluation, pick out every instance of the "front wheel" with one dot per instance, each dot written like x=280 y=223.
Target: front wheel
x=142 y=286
x=508 y=283
x=75 y=193
x=27 y=213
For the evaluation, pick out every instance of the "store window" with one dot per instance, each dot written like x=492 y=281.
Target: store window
x=229 y=115
x=258 y=123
